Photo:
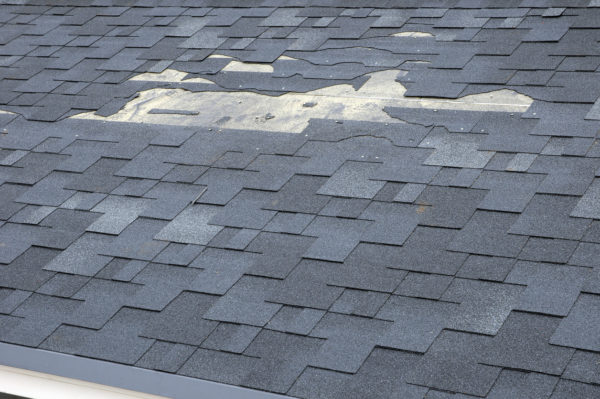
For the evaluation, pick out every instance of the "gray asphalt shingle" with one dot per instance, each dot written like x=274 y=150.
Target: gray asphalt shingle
x=429 y=230
x=548 y=216
x=487 y=233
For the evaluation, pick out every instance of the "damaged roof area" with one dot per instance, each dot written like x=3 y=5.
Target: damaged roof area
x=349 y=199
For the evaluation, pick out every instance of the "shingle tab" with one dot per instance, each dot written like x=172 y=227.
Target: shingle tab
x=295 y=320
x=120 y=333
x=484 y=306
x=544 y=282
x=584 y=367
x=40 y=316
x=524 y=340
x=359 y=303
x=352 y=180
x=27 y=271
x=535 y=220
x=515 y=383
x=186 y=309
x=245 y=303
x=191 y=226
x=82 y=257
x=417 y=322
x=509 y=192
x=285 y=353
x=452 y=364
x=299 y=194
x=350 y=339
x=455 y=150
x=219 y=366
x=346 y=232
x=566 y=175
x=165 y=356
x=307 y=286
x=382 y=375
x=548 y=250
x=221 y=269
x=575 y=329
x=448 y=206
x=136 y=241
x=487 y=233
x=424 y=251
x=280 y=253
x=572 y=389
x=118 y=212
x=244 y=211
x=587 y=207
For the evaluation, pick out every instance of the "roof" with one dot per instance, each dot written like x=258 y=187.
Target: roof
x=341 y=199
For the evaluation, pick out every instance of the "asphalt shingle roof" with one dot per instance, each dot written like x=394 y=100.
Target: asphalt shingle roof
x=449 y=249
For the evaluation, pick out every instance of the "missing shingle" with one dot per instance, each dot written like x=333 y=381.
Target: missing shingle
x=170 y=76
x=246 y=110
x=286 y=58
x=238 y=66
x=413 y=34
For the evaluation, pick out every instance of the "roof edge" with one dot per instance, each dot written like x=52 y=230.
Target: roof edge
x=121 y=376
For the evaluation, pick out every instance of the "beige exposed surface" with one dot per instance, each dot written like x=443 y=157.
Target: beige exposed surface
x=412 y=34
x=237 y=66
x=291 y=112
x=170 y=76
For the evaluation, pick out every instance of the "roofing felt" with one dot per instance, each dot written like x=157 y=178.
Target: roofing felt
x=341 y=199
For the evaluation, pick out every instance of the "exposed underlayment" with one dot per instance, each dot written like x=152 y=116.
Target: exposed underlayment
x=169 y=76
x=412 y=34
x=237 y=66
x=430 y=230
x=290 y=112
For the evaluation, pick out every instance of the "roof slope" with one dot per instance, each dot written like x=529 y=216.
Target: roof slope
x=346 y=199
